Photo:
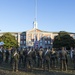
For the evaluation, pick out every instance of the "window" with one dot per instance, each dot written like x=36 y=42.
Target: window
x=48 y=42
x=40 y=40
x=40 y=44
x=24 y=42
x=74 y=36
x=21 y=37
x=45 y=42
x=21 y=42
x=24 y=37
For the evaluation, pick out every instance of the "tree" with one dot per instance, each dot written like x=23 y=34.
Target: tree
x=63 y=39
x=9 y=40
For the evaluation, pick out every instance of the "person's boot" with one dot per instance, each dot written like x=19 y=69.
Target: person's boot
x=16 y=70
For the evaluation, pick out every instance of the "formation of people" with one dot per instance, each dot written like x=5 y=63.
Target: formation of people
x=43 y=58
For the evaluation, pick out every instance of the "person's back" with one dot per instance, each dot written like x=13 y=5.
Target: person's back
x=71 y=53
x=16 y=56
x=63 y=59
x=52 y=54
x=63 y=54
x=74 y=57
x=15 y=60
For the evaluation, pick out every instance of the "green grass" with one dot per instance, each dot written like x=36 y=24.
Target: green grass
x=5 y=69
x=35 y=72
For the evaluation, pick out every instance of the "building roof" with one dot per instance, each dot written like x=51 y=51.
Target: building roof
x=10 y=32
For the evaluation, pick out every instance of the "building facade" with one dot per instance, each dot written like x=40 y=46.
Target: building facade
x=35 y=38
x=38 y=38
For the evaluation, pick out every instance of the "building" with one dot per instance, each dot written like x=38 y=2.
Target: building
x=35 y=38
x=38 y=38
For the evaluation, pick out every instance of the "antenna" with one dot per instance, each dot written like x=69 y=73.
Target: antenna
x=35 y=18
x=35 y=10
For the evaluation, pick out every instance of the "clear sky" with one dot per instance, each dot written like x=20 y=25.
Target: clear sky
x=52 y=15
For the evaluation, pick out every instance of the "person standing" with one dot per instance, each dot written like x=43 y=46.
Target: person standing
x=7 y=56
x=15 y=60
x=63 y=58
x=74 y=58
x=46 y=59
x=71 y=54
x=29 y=62
x=21 y=56
x=52 y=58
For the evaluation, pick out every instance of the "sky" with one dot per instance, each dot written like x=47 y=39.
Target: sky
x=52 y=15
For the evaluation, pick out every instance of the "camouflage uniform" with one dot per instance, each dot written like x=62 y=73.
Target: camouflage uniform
x=34 y=58
x=7 y=56
x=52 y=58
x=74 y=58
x=24 y=56
x=40 y=58
x=29 y=60
x=46 y=61
x=15 y=61
x=21 y=56
x=11 y=58
x=63 y=59
x=1 y=57
x=37 y=57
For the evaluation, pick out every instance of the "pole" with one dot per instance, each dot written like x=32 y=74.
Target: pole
x=17 y=41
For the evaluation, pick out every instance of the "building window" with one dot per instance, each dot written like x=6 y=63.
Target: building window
x=24 y=37
x=48 y=42
x=24 y=42
x=40 y=44
x=40 y=40
x=21 y=37
x=45 y=42
x=21 y=42
x=74 y=36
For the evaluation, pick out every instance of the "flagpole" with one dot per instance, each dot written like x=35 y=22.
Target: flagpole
x=35 y=23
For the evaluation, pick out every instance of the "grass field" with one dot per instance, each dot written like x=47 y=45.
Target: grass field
x=35 y=72
x=5 y=69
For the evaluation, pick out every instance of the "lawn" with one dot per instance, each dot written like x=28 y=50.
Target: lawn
x=5 y=69
x=35 y=72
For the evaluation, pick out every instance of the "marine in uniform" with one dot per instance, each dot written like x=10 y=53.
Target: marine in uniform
x=29 y=62
x=52 y=58
x=46 y=57
x=74 y=58
x=63 y=59
x=15 y=61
